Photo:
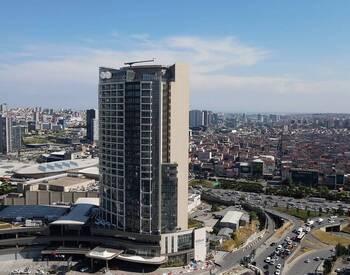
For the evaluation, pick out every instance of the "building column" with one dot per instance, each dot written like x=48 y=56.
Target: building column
x=16 y=246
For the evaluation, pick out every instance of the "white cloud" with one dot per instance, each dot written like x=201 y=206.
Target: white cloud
x=61 y=75
x=216 y=54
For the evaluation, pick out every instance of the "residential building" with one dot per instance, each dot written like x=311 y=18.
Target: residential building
x=196 y=118
x=207 y=118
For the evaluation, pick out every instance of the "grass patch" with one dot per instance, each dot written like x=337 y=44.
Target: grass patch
x=280 y=231
x=305 y=249
x=228 y=245
x=346 y=229
x=6 y=188
x=240 y=236
x=35 y=140
x=242 y=185
x=301 y=214
x=329 y=238
x=193 y=223
x=203 y=183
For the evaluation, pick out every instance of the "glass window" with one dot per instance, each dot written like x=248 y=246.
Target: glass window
x=146 y=93
x=146 y=86
x=184 y=242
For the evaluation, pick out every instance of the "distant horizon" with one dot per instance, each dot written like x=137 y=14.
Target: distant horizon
x=190 y=109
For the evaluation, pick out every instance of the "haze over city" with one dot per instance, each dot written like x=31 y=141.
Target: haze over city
x=261 y=56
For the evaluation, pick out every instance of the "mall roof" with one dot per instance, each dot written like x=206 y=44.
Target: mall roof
x=8 y=166
x=32 y=212
x=90 y=171
x=79 y=213
x=57 y=166
x=67 y=181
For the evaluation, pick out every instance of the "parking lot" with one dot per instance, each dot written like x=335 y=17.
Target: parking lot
x=28 y=266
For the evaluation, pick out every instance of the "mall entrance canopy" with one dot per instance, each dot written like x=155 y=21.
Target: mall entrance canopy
x=103 y=253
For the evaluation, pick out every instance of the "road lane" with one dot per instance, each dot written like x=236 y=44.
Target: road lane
x=299 y=266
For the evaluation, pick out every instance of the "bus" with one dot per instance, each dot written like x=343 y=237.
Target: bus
x=315 y=199
x=301 y=236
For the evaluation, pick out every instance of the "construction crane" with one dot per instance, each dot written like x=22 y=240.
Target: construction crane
x=136 y=62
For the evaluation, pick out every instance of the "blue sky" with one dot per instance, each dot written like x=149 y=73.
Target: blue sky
x=263 y=56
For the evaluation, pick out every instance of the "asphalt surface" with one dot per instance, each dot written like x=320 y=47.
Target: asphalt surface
x=299 y=265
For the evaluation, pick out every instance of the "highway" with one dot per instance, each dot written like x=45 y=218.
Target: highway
x=263 y=248
x=234 y=258
x=267 y=249
x=299 y=265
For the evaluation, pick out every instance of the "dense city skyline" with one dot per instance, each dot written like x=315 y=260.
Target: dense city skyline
x=242 y=58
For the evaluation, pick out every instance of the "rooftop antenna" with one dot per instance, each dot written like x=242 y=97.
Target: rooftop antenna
x=136 y=62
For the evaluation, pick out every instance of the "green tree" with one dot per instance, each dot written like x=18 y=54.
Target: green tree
x=340 y=250
x=215 y=207
x=327 y=265
x=253 y=216
x=340 y=211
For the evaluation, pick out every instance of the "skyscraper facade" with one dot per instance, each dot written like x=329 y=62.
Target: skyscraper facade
x=5 y=135
x=16 y=136
x=143 y=123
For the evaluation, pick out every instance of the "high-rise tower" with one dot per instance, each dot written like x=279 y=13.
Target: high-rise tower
x=143 y=145
x=91 y=125
x=5 y=135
